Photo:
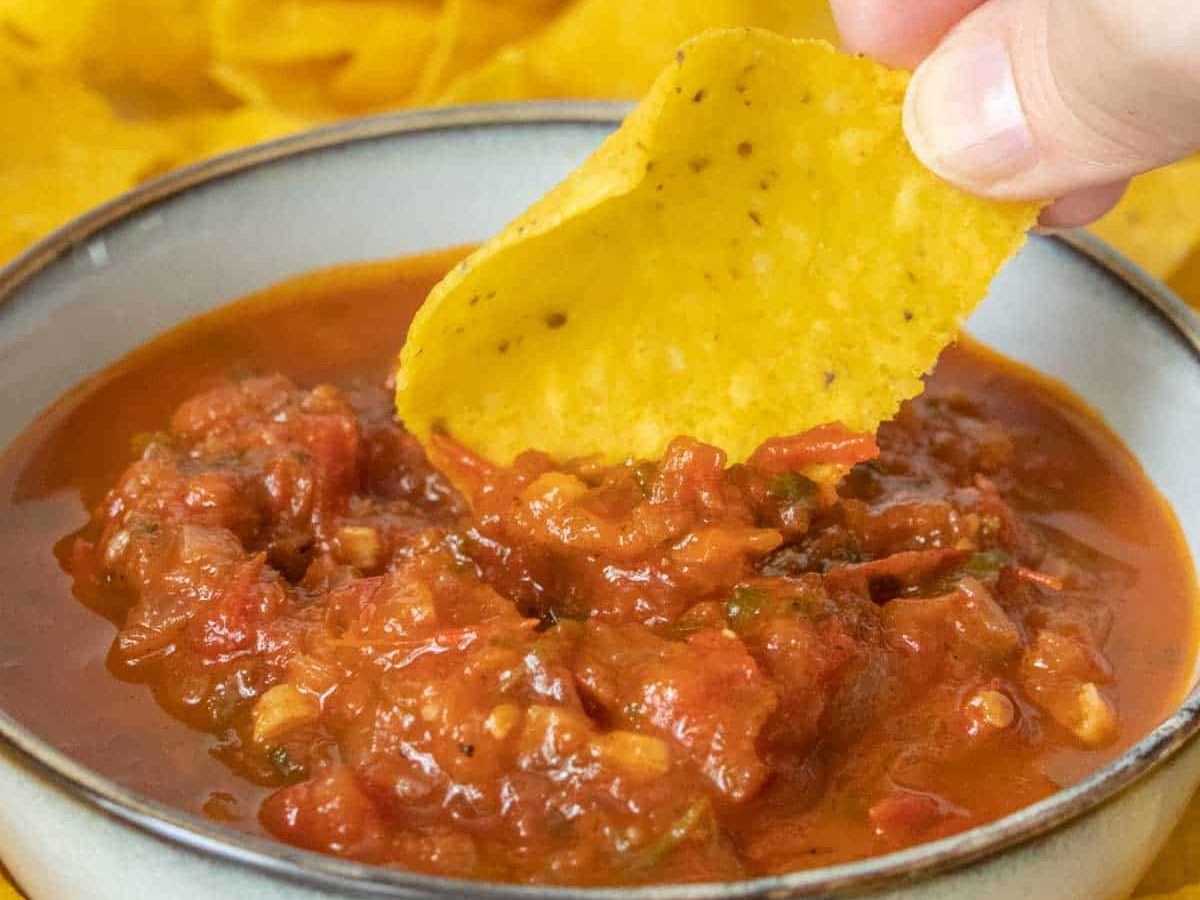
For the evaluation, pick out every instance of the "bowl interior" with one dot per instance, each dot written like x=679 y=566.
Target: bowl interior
x=1068 y=316
x=389 y=190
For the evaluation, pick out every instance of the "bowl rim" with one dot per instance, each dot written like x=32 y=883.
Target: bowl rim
x=273 y=859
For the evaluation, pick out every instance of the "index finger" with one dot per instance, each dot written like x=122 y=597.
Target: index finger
x=898 y=33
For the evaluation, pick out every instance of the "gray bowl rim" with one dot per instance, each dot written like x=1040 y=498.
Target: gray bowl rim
x=222 y=844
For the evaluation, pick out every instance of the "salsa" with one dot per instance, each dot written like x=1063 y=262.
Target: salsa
x=662 y=671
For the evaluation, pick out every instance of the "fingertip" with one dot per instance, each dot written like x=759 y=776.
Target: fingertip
x=1082 y=207
x=867 y=27
x=964 y=115
x=898 y=33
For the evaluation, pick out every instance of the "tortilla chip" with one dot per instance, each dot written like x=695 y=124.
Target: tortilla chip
x=62 y=151
x=1185 y=281
x=151 y=53
x=296 y=89
x=755 y=252
x=387 y=64
x=7 y=891
x=1178 y=865
x=56 y=29
x=1157 y=223
x=208 y=134
x=470 y=31
x=17 y=56
x=335 y=56
x=616 y=48
x=148 y=54
x=287 y=31
x=1191 y=892
x=506 y=77
x=591 y=55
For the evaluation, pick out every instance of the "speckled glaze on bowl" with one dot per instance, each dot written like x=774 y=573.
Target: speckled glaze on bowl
x=393 y=185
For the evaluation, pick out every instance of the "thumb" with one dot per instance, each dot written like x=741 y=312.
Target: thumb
x=1034 y=99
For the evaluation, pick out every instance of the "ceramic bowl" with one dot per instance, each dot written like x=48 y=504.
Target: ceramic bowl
x=393 y=185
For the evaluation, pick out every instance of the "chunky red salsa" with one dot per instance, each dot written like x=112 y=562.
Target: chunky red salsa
x=665 y=670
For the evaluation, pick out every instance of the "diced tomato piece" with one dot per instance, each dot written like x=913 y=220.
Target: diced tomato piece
x=907 y=567
x=905 y=817
x=329 y=813
x=464 y=467
x=333 y=442
x=833 y=444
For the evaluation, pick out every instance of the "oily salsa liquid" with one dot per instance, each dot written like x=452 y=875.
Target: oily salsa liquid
x=667 y=670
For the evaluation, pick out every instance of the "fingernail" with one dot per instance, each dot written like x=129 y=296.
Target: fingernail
x=963 y=114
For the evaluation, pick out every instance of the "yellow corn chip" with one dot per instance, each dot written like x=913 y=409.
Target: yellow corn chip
x=387 y=64
x=506 y=77
x=1185 y=281
x=16 y=56
x=148 y=54
x=470 y=31
x=208 y=134
x=591 y=55
x=1191 y=892
x=755 y=252
x=371 y=53
x=56 y=29
x=1178 y=865
x=63 y=151
x=7 y=891
x=286 y=31
x=153 y=54
x=1157 y=223
x=616 y=48
x=298 y=89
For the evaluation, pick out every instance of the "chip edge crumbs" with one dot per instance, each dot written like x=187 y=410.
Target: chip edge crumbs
x=617 y=170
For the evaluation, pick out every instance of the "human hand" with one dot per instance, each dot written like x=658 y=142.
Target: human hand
x=1041 y=99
